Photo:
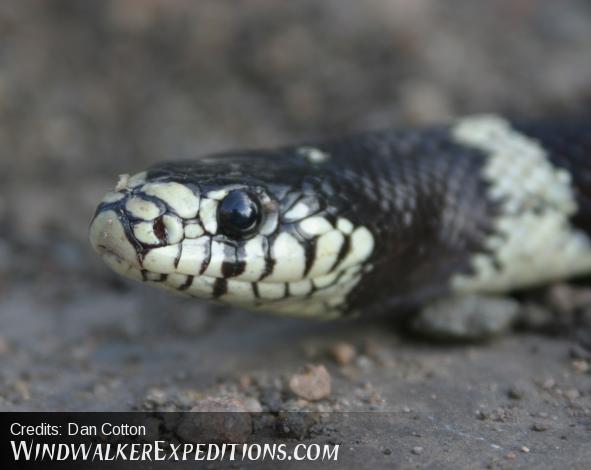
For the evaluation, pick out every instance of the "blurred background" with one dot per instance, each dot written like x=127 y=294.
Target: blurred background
x=90 y=90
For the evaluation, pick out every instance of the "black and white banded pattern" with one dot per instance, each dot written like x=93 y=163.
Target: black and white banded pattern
x=302 y=261
x=365 y=222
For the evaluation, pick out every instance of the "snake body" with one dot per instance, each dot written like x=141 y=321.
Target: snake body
x=370 y=221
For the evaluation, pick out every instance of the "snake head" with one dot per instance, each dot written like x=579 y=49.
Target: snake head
x=251 y=230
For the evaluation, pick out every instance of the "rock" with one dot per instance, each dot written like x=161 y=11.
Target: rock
x=216 y=419
x=580 y=366
x=155 y=398
x=467 y=318
x=418 y=450
x=313 y=384
x=363 y=362
x=548 y=383
x=220 y=404
x=270 y=399
x=245 y=381
x=539 y=427
x=516 y=392
x=572 y=394
x=253 y=405
x=343 y=353
x=294 y=424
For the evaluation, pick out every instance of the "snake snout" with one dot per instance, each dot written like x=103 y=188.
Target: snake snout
x=109 y=239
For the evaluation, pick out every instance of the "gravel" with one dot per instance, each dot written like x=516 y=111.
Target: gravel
x=312 y=384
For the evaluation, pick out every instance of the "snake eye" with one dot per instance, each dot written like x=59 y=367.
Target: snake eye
x=238 y=214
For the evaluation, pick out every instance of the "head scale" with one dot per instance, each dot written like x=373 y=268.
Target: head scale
x=252 y=231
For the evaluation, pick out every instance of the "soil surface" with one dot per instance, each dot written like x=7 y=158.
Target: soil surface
x=90 y=90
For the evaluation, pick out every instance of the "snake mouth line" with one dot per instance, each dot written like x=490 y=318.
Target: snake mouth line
x=105 y=250
x=261 y=295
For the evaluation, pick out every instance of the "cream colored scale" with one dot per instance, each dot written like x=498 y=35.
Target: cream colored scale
x=190 y=247
x=534 y=240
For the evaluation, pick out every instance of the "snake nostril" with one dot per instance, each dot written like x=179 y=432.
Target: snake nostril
x=160 y=229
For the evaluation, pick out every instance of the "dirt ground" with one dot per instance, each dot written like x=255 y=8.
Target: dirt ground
x=90 y=90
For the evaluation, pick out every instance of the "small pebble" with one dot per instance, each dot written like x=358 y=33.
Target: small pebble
x=343 y=353
x=516 y=392
x=222 y=404
x=511 y=455
x=481 y=415
x=525 y=449
x=271 y=399
x=548 y=383
x=245 y=381
x=572 y=394
x=313 y=384
x=539 y=427
x=219 y=419
x=155 y=398
x=580 y=366
x=23 y=389
x=418 y=450
x=387 y=451
x=252 y=405
x=363 y=362
x=297 y=425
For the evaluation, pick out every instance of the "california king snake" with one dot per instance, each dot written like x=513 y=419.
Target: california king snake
x=367 y=222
